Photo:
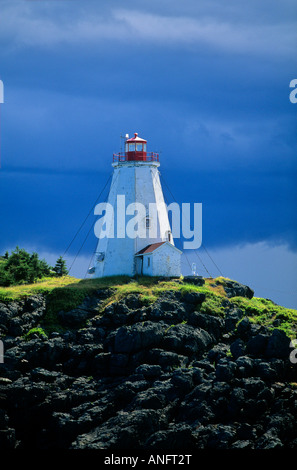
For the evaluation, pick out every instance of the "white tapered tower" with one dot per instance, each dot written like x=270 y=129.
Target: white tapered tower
x=151 y=250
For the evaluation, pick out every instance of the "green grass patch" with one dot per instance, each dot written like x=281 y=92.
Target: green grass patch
x=42 y=286
x=39 y=331
x=63 y=298
x=66 y=293
x=212 y=305
x=213 y=297
x=265 y=312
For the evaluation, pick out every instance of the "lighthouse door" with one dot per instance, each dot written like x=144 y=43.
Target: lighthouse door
x=139 y=265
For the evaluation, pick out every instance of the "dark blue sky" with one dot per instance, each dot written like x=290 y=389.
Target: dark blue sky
x=206 y=83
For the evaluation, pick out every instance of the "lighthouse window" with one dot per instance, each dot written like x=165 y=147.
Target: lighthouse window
x=100 y=256
x=168 y=234
x=139 y=147
x=148 y=261
x=131 y=147
x=147 y=222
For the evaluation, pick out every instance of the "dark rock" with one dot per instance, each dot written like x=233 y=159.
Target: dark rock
x=118 y=364
x=168 y=360
x=253 y=385
x=232 y=318
x=199 y=375
x=282 y=424
x=5 y=314
x=78 y=316
x=171 y=295
x=265 y=371
x=8 y=439
x=101 y=363
x=219 y=389
x=242 y=445
x=245 y=366
x=244 y=328
x=194 y=297
x=141 y=376
x=177 y=436
x=183 y=380
x=235 y=289
x=204 y=364
x=237 y=348
x=35 y=302
x=225 y=370
x=149 y=371
x=213 y=325
x=134 y=338
x=168 y=310
x=246 y=432
x=196 y=280
x=269 y=441
x=16 y=327
x=196 y=411
x=43 y=375
x=217 y=352
x=187 y=340
x=20 y=317
x=133 y=301
x=115 y=315
x=152 y=399
x=90 y=335
x=127 y=430
x=166 y=304
x=278 y=345
x=257 y=345
x=215 y=436
x=200 y=392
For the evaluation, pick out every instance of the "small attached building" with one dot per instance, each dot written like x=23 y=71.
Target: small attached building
x=159 y=259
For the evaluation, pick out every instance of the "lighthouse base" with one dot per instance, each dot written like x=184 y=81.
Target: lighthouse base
x=158 y=259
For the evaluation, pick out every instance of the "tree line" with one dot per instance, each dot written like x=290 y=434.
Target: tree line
x=21 y=267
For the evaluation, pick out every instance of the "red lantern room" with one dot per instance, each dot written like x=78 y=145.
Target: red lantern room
x=135 y=150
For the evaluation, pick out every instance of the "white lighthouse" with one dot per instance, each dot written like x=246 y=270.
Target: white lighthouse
x=150 y=249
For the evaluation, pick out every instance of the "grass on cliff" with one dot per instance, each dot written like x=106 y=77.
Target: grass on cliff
x=267 y=313
x=66 y=293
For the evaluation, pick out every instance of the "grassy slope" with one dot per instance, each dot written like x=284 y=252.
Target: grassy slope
x=67 y=292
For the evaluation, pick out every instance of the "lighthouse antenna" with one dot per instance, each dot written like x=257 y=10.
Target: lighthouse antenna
x=121 y=141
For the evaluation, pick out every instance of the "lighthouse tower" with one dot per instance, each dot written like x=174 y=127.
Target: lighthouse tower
x=148 y=250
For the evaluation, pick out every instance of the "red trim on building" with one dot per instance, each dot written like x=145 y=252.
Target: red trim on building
x=136 y=156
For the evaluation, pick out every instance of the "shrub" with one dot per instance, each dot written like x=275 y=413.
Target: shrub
x=35 y=331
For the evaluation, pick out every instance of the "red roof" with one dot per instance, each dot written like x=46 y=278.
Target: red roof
x=150 y=248
x=136 y=139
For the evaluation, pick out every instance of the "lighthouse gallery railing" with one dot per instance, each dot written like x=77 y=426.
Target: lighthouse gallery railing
x=136 y=156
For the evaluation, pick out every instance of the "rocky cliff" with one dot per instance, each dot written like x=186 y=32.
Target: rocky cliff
x=167 y=374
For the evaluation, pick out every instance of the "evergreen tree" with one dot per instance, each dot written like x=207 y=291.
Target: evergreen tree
x=38 y=268
x=21 y=268
x=18 y=264
x=60 y=267
x=6 y=278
